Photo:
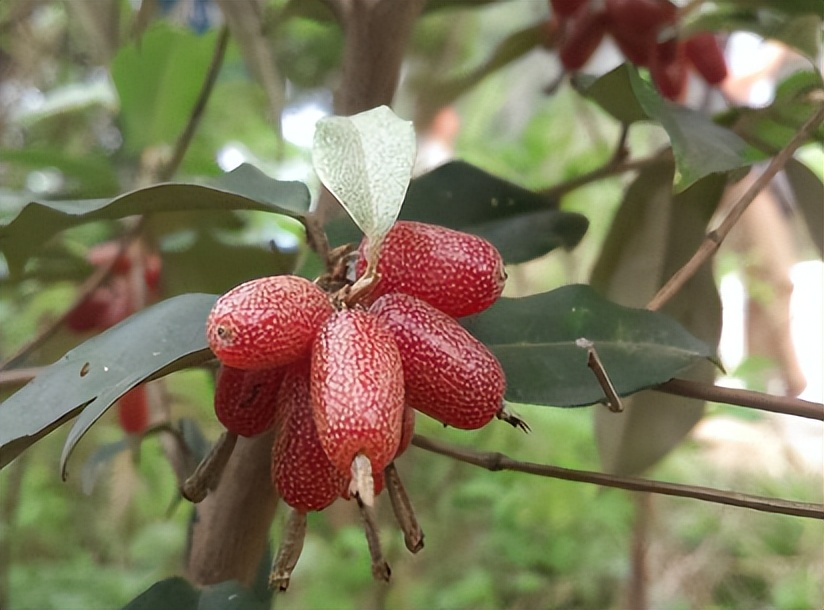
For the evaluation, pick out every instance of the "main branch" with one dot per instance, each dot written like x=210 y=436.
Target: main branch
x=498 y=461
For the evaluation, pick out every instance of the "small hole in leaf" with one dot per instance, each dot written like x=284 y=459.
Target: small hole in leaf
x=84 y=370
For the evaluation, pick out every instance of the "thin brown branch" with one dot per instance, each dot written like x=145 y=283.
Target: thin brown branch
x=92 y=283
x=182 y=144
x=743 y=398
x=498 y=461
x=715 y=238
x=614 y=166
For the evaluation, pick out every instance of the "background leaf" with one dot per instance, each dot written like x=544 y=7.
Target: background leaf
x=245 y=188
x=158 y=81
x=152 y=343
x=366 y=162
x=461 y=196
x=613 y=92
x=534 y=339
x=700 y=146
x=653 y=235
x=808 y=192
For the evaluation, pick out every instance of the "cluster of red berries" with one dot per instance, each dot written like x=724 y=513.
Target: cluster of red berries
x=340 y=381
x=645 y=32
x=115 y=300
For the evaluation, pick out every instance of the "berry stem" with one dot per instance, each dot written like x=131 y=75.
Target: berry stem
x=291 y=546
x=206 y=476
x=380 y=569
x=403 y=509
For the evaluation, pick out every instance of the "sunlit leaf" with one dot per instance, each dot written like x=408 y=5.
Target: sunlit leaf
x=245 y=188
x=152 y=343
x=366 y=162
x=535 y=339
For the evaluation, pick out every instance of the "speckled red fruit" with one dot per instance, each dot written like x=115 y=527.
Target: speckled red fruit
x=267 y=322
x=449 y=374
x=246 y=401
x=407 y=430
x=357 y=390
x=301 y=471
x=706 y=56
x=456 y=272
x=133 y=410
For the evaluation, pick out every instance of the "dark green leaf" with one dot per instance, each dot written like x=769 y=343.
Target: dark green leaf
x=460 y=196
x=230 y=595
x=212 y=265
x=808 y=192
x=613 y=92
x=653 y=234
x=700 y=146
x=158 y=81
x=152 y=343
x=535 y=340
x=175 y=592
x=245 y=188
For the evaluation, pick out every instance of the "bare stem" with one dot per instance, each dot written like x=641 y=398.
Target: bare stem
x=743 y=398
x=206 y=476
x=380 y=569
x=403 y=509
x=291 y=546
x=715 y=238
x=615 y=165
x=498 y=461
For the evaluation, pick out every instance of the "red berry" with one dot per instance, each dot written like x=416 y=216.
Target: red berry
x=267 y=322
x=586 y=30
x=668 y=68
x=449 y=374
x=640 y=17
x=456 y=272
x=636 y=47
x=706 y=56
x=566 y=8
x=357 y=390
x=301 y=471
x=87 y=314
x=133 y=410
x=246 y=401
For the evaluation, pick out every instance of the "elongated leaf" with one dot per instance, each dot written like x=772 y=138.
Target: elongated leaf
x=245 y=188
x=158 y=82
x=700 y=146
x=152 y=343
x=653 y=234
x=520 y=223
x=613 y=92
x=809 y=197
x=535 y=340
x=366 y=162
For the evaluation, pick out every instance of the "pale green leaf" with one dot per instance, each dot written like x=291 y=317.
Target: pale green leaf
x=366 y=162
